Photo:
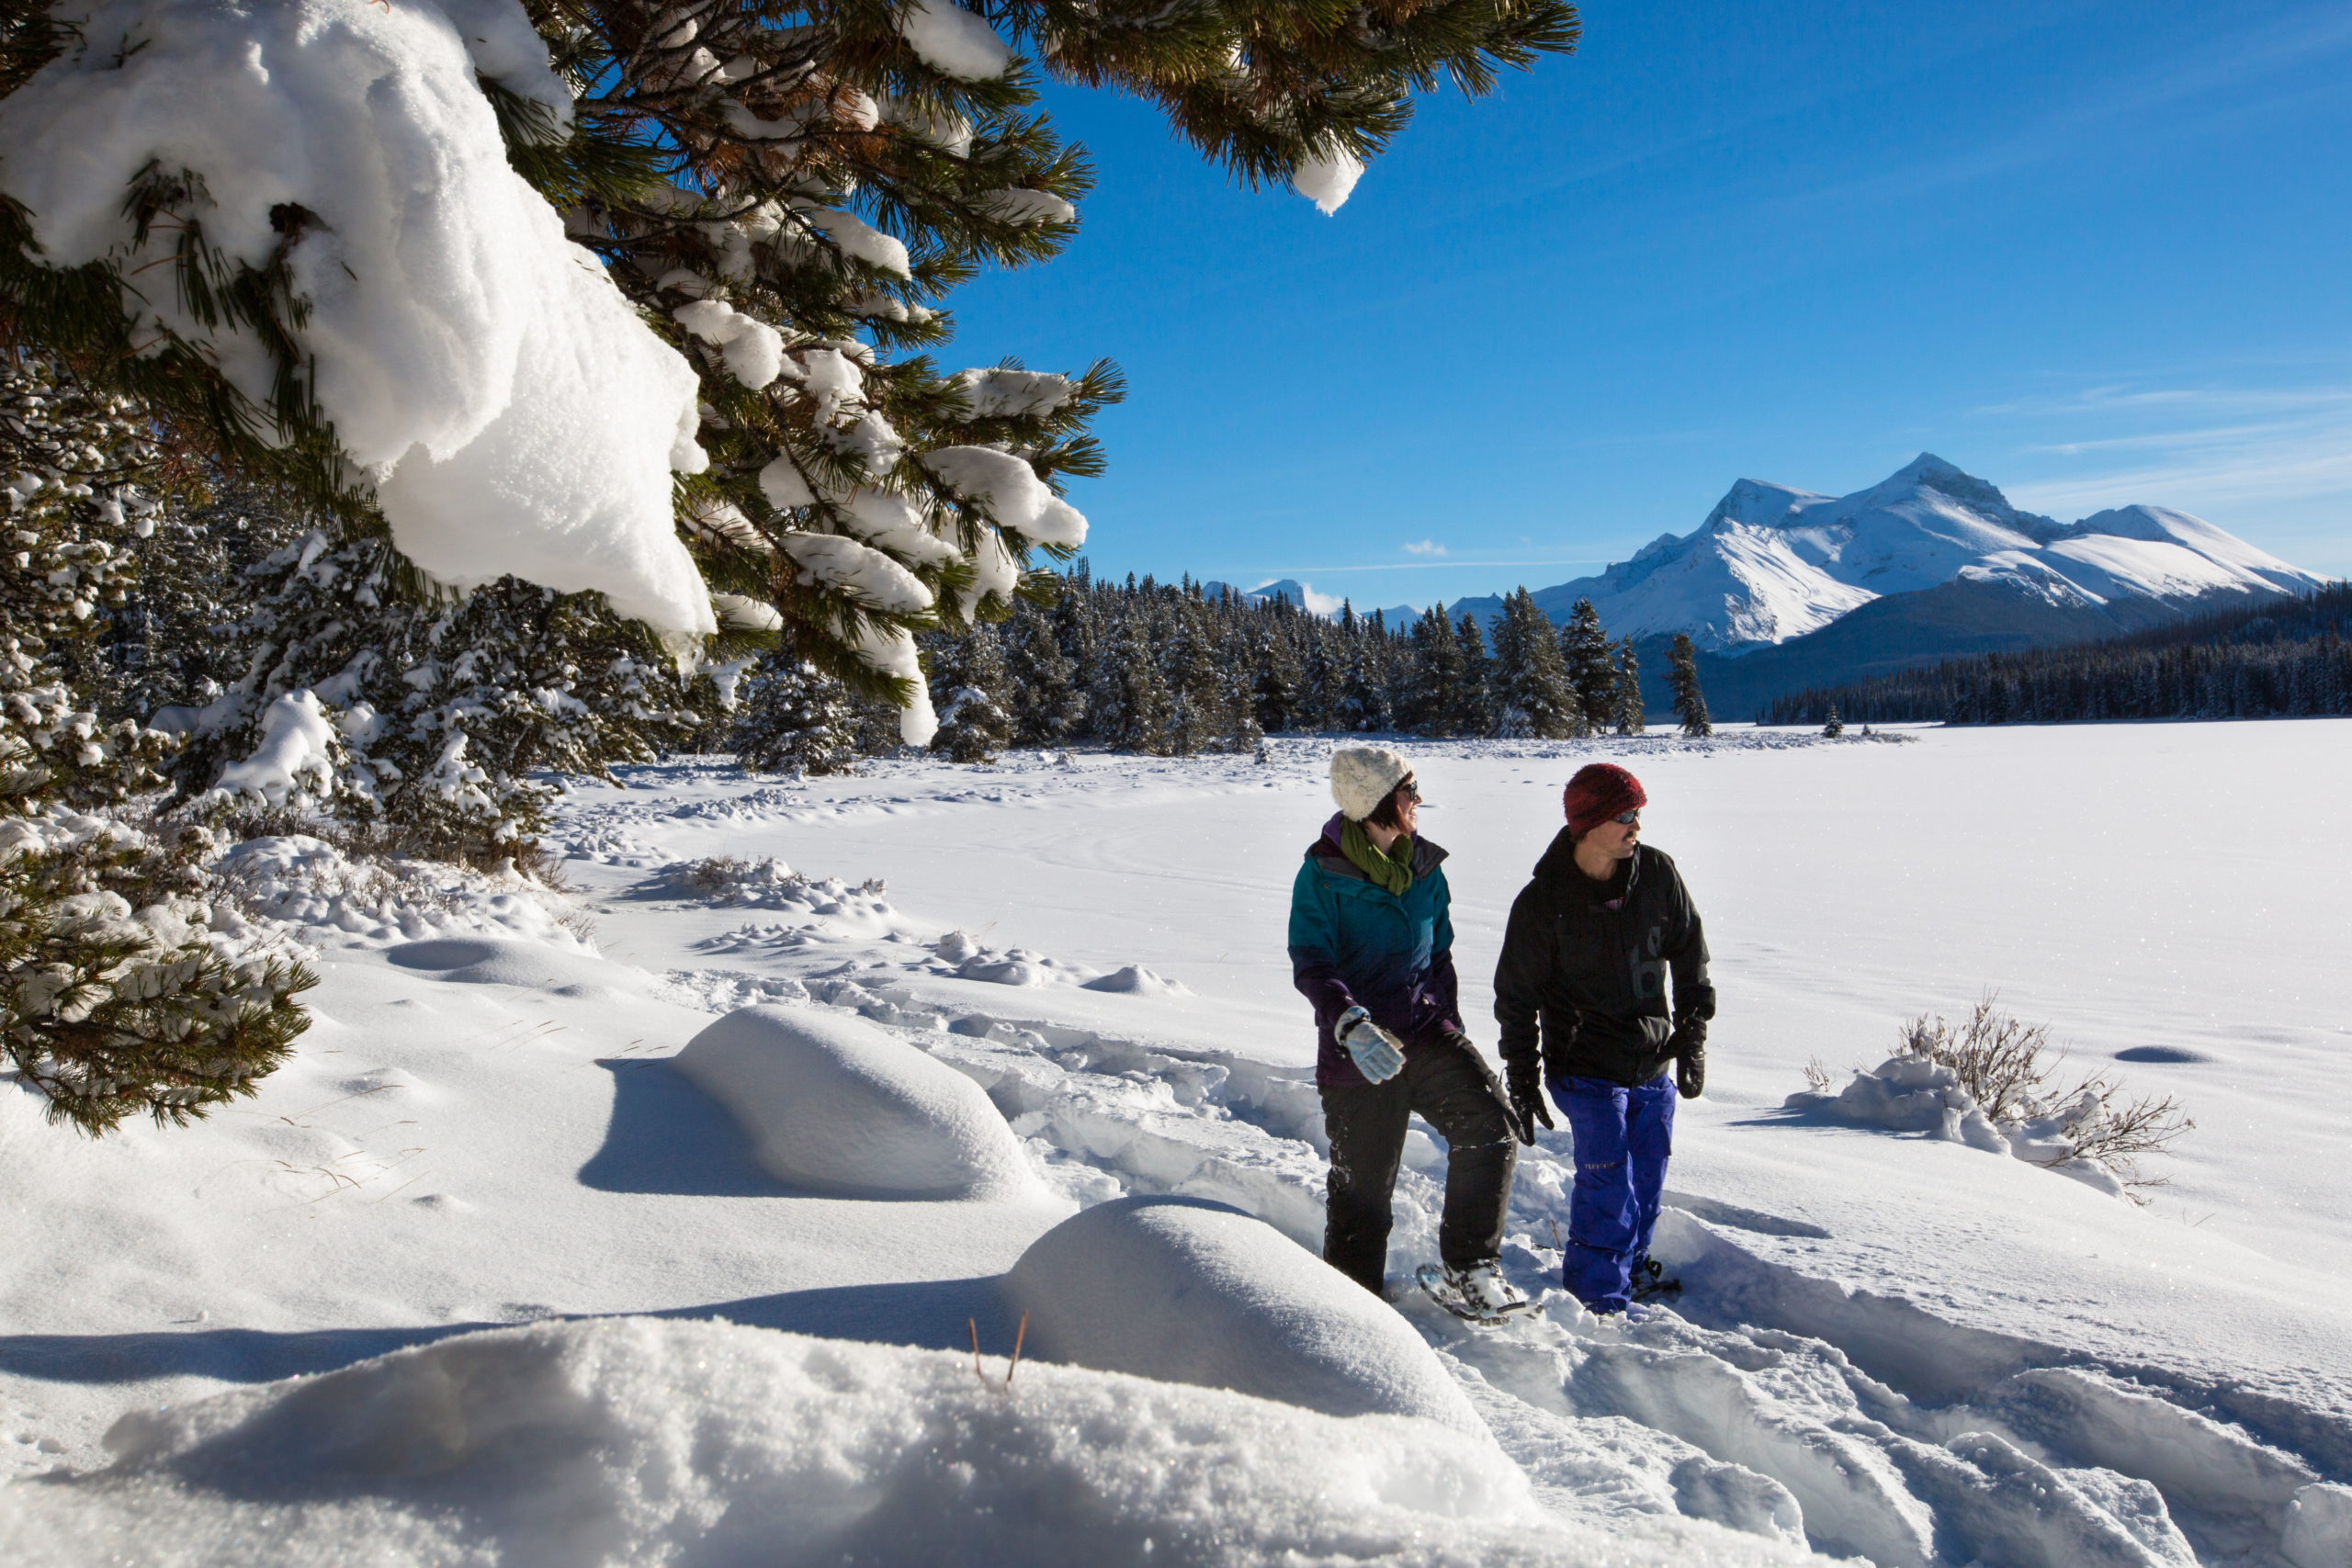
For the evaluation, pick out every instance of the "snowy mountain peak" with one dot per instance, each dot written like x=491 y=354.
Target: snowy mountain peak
x=1773 y=561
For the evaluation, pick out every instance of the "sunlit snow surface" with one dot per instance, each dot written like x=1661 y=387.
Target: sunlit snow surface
x=1922 y=1352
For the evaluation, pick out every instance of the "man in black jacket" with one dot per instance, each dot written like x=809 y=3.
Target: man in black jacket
x=1581 y=992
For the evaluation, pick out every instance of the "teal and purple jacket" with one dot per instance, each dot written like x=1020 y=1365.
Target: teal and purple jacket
x=1354 y=944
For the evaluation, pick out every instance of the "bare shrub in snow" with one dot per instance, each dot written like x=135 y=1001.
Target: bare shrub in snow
x=2114 y=1133
x=1998 y=1058
x=1987 y=1082
x=718 y=877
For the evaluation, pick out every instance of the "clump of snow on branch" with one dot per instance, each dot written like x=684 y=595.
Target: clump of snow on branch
x=998 y=392
x=1011 y=491
x=953 y=41
x=513 y=412
x=861 y=239
x=752 y=349
x=1026 y=206
x=1328 y=179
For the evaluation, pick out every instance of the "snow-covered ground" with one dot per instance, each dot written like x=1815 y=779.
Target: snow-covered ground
x=1889 y=1347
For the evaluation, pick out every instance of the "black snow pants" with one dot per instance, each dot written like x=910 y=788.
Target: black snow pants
x=1450 y=1089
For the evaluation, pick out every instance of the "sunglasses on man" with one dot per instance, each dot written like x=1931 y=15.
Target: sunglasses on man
x=1627 y=818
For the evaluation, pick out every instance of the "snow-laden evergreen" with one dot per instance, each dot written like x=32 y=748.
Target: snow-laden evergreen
x=439 y=713
x=638 y=297
x=122 y=989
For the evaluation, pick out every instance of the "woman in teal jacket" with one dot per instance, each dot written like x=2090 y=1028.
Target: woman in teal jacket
x=1372 y=947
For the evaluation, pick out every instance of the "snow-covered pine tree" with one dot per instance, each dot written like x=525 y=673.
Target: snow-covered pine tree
x=1138 y=709
x=1532 y=695
x=1682 y=674
x=1592 y=676
x=173 y=641
x=1626 y=701
x=967 y=683
x=791 y=716
x=116 y=998
x=442 y=711
x=1472 y=711
x=1274 y=686
x=791 y=192
x=1439 y=670
x=1042 y=689
x=1362 y=707
x=1401 y=662
x=1196 y=718
x=1836 y=727
x=1325 y=668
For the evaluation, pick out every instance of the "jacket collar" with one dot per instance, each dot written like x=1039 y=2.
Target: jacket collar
x=1325 y=853
x=1559 y=868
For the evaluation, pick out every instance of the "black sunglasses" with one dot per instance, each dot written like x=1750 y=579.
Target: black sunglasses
x=1627 y=818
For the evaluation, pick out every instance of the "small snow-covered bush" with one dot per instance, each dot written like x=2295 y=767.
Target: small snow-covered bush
x=1989 y=1081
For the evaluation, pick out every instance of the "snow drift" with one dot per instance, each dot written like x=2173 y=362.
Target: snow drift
x=1189 y=1291
x=637 y=1441
x=832 y=1101
x=514 y=412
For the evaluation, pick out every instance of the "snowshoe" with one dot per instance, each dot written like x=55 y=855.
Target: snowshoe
x=1648 y=1282
x=1479 y=1294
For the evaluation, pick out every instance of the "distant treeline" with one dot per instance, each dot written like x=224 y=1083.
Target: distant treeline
x=2270 y=657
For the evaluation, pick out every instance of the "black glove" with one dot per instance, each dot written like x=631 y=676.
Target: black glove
x=1527 y=1101
x=1688 y=1044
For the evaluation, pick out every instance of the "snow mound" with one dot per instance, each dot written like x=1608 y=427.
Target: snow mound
x=532 y=965
x=1183 y=1291
x=1136 y=980
x=832 y=1101
x=640 y=1440
x=514 y=412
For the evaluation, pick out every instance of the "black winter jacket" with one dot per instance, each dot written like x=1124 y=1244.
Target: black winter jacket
x=1589 y=961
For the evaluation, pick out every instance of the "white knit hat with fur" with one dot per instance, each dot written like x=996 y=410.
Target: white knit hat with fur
x=1364 y=777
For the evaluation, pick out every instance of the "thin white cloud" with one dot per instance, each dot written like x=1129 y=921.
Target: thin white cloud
x=1272 y=574
x=1425 y=547
x=2301 y=452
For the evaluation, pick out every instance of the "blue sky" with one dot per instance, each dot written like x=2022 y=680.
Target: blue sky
x=2095 y=252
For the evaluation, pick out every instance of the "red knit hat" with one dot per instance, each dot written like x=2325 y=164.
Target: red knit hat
x=1600 y=791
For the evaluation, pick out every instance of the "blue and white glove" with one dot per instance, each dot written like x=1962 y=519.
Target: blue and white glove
x=1379 y=1055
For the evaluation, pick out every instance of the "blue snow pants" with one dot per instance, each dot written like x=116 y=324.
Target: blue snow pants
x=1622 y=1137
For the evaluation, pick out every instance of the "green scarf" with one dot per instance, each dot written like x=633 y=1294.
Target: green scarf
x=1392 y=870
